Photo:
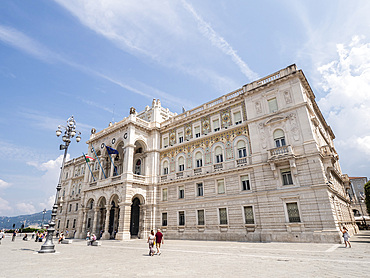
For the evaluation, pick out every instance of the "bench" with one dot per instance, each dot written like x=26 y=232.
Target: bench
x=95 y=243
x=66 y=241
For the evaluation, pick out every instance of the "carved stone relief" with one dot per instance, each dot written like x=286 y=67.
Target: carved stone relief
x=287 y=97
x=258 y=107
x=262 y=132
x=294 y=126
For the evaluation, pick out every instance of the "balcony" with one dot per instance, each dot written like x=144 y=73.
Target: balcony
x=163 y=178
x=283 y=152
x=179 y=175
x=197 y=171
x=241 y=161
x=218 y=167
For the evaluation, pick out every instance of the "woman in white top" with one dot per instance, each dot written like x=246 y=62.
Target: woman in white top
x=151 y=243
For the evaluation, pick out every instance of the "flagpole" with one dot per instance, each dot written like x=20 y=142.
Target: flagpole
x=89 y=167
x=99 y=162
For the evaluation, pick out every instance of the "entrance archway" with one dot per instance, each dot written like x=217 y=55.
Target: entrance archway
x=135 y=217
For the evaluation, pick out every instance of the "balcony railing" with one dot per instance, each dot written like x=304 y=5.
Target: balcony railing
x=197 y=171
x=179 y=175
x=218 y=167
x=163 y=178
x=242 y=161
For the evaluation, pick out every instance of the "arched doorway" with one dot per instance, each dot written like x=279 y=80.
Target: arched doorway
x=135 y=217
x=113 y=220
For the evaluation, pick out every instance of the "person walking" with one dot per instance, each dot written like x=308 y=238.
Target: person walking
x=151 y=243
x=2 y=235
x=346 y=237
x=158 y=241
x=14 y=235
x=88 y=235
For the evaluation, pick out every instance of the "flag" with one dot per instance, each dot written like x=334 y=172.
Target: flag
x=111 y=150
x=89 y=158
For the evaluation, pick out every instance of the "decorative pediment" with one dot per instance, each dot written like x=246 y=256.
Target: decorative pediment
x=275 y=120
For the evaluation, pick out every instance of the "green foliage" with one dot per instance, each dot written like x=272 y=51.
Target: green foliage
x=367 y=196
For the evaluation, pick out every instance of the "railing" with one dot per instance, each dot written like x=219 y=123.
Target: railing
x=179 y=175
x=116 y=178
x=268 y=79
x=139 y=177
x=280 y=150
x=242 y=161
x=197 y=171
x=93 y=183
x=218 y=166
x=163 y=178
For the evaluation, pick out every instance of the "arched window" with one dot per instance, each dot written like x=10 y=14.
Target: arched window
x=138 y=167
x=181 y=164
x=198 y=159
x=242 y=150
x=165 y=167
x=218 y=155
x=279 y=138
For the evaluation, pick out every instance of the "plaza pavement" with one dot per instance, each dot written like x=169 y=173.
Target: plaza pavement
x=185 y=258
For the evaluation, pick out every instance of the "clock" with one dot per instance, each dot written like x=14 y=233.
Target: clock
x=125 y=136
x=102 y=145
x=113 y=140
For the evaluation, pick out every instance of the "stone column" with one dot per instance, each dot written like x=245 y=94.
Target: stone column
x=82 y=232
x=124 y=221
x=93 y=230
x=113 y=156
x=106 y=234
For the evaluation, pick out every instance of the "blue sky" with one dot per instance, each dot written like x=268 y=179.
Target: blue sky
x=96 y=59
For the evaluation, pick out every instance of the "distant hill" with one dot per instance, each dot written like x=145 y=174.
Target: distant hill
x=31 y=220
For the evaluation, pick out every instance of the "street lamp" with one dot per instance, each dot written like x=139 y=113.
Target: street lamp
x=69 y=132
x=43 y=215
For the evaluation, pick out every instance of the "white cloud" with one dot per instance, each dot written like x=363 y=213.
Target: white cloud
x=162 y=32
x=4 y=184
x=25 y=208
x=218 y=41
x=48 y=204
x=347 y=103
x=5 y=207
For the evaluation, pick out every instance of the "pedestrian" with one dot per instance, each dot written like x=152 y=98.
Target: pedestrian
x=61 y=237
x=2 y=235
x=101 y=234
x=14 y=235
x=88 y=235
x=346 y=237
x=158 y=241
x=151 y=239
x=93 y=238
x=37 y=236
x=25 y=237
x=33 y=235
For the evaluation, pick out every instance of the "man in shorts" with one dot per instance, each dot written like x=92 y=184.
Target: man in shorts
x=158 y=241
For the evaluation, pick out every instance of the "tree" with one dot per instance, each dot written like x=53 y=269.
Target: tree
x=367 y=196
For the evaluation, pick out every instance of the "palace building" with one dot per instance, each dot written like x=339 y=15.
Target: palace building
x=257 y=164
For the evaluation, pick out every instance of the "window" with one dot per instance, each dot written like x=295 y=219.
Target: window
x=181 y=218
x=200 y=189
x=273 y=107
x=198 y=159
x=200 y=214
x=286 y=176
x=79 y=188
x=181 y=192
x=138 y=167
x=197 y=131
x=164 y=218
x=181 y=137
x=165 y=168
x=237 y=118
x=248 y=215
x=181 y=164
x=58 y=224
x=223 y=216
x=165 y=142
x=218 y=155
x=220 y=186
x=74 y=224
x=279 y=138
x=70 y=207
x=67 y=224
x=88 y=223
x=293 y=212
x=91 y=204
x=216 y=125
x=64 y=192
x=164 y=194
x=76 y=207
x=242 y=150
x=61 y=209
x=67 y=175
x=245 y=182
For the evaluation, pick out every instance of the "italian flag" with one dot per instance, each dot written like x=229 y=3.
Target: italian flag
x=89 y=158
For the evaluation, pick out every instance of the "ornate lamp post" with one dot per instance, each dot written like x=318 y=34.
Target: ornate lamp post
x=69 y=132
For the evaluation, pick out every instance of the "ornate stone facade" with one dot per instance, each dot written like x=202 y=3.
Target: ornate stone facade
x=257 y=164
